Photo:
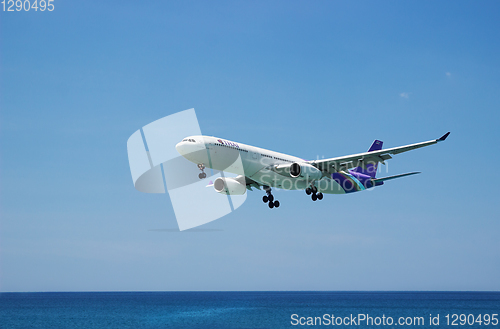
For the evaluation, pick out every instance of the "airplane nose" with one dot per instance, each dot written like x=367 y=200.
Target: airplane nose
x=180 y=147
x=184 y=148
x=188 y=147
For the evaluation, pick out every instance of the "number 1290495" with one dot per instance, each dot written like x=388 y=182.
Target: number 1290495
x=28 y=5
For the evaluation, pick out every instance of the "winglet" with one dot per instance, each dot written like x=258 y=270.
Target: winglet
x=443 y=137
x=210 y=184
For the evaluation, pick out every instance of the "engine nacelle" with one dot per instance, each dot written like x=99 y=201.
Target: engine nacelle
x=305 y=170
x=231 y=186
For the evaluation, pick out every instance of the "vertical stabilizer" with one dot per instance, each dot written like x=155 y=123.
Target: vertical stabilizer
x=370 y=168
x=376 y=146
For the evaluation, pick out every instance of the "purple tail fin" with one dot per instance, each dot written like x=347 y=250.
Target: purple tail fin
x=370 y=168
x=376 y=146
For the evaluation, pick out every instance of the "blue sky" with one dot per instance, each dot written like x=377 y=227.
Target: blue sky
x=312 y=80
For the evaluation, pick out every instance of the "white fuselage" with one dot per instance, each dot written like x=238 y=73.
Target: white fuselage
x=258 y=164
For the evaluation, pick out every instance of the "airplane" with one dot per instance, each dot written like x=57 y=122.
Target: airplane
x=257 y=167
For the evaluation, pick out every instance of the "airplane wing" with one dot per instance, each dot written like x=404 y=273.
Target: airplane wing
x=333 y=165
x=251 y=183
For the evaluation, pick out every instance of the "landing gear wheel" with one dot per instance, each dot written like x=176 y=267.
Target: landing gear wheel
x=270 y=198
x=320 y=196
x=314 y=197
x=308 y=191
x=202 y=175
x=314 y=189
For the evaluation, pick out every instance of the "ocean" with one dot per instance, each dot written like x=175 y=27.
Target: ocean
x=249 y=309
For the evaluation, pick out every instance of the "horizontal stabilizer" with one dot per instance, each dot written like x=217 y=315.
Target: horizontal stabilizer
x=376 y=180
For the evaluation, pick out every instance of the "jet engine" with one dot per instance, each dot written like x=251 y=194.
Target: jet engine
x=305 y=170
x=232 y=186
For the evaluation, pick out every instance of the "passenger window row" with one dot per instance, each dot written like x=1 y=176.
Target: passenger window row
x=268 y=156
x=231 y=147
x=282 y=159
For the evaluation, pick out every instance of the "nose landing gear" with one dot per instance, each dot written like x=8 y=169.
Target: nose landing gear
x=202 y=175
x=269 y=199
x=313 y=191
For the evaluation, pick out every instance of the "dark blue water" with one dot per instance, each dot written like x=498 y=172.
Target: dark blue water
x=243 y=309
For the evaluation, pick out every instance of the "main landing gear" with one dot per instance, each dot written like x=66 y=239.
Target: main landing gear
x=313 y=191
x=202 y=175
x=269 y=199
